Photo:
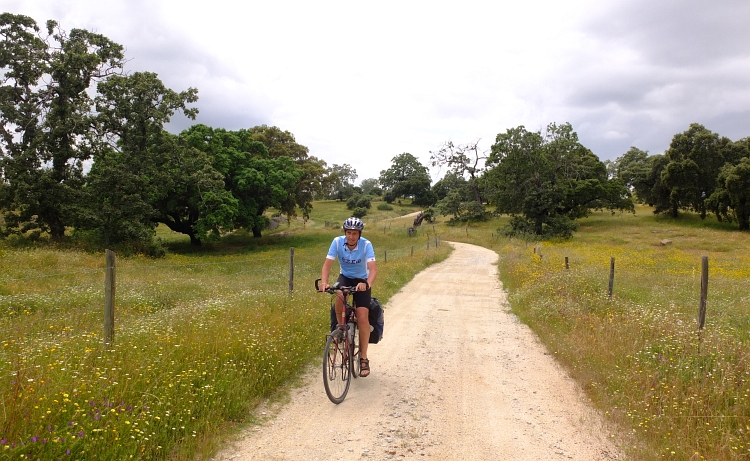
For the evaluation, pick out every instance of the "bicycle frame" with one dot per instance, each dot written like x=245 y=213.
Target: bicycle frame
x=341 y=354
x=347 y=322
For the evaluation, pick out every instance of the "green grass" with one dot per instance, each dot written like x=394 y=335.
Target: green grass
x=669 y=391
x=204 y=334
x=201 y=337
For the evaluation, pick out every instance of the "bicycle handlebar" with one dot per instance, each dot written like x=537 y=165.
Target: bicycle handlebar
x=332 y=289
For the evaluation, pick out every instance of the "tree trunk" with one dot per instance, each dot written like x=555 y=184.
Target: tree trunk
x=743 y=218
x=56 y=229
x=538 y=225
x=182 y=228
x=256 y=232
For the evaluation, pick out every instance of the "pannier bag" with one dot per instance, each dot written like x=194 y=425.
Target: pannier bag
x=377 y=322
x=375 y=316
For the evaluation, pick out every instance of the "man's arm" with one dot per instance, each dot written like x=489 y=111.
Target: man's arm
x=324 y=273
x=373 y=272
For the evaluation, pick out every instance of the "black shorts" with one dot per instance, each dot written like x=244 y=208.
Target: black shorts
x=361 y=298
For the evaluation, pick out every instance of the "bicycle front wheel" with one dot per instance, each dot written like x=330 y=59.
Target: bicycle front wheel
x=336 y=368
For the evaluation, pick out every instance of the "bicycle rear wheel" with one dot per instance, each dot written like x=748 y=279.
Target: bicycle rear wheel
x=336 y=368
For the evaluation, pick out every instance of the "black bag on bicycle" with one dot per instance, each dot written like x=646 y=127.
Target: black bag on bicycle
x=377 y=321
x=375 y=316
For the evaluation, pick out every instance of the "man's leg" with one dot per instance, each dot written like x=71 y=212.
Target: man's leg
x=364 y=334
x=339 y=306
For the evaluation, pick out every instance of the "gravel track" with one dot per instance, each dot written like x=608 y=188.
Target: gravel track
x=456 y=376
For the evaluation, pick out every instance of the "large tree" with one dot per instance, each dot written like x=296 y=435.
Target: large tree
x=339 y=181
x=281 y=143
x=462 y=160
x=255 y=179
x=632 y=168
x=46 y=118
x=695 y=158
x=731 y=199
x=371 y=186
x=406 y=177
x=547 y=180
x=139 y=166
x=196 y=201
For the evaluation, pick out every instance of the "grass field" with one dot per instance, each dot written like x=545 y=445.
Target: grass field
x=202 y=335
x=670 y=391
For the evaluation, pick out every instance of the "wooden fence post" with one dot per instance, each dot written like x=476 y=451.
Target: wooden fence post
x=566 y=263
x=385 y=256
x=291 y=269
x=611 y=275
x=412 y=250
x=704 y=293
x=109 y=297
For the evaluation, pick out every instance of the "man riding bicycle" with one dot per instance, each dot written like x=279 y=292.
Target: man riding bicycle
x=356 y=257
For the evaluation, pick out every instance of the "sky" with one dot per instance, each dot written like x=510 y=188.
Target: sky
x=361 y=83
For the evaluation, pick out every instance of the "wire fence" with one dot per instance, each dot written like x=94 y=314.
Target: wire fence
x=137 y=288
x=723 y=285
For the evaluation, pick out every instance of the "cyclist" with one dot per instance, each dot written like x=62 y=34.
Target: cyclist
x=357 y=260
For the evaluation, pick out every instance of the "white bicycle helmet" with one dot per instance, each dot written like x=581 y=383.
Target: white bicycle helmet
x=354 y=223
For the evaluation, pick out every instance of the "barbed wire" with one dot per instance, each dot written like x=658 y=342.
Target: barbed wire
x=51 y=275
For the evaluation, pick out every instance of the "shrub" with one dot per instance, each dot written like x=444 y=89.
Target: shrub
x=384 y=207
x=351 y=203
x=363 y=202
x=359 y=212
x=555 y=227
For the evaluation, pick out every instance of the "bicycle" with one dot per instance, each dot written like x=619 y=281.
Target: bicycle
x=341 y=352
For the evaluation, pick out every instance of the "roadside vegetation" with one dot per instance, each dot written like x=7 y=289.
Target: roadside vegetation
x=670 y=391
x=202 y=336
x=205 y=334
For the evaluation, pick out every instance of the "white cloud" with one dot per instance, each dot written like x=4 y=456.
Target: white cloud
x=360 y=83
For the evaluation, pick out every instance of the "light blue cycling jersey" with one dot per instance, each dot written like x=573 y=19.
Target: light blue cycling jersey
x=353 y=262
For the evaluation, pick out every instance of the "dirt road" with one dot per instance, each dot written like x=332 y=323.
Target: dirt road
x=456 y=377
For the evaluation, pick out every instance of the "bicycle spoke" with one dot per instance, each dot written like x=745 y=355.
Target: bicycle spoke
x=336 y=369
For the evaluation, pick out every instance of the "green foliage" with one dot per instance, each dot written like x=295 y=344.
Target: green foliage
x=132 y=173
x=633 y=168
x=731 y=199
x=384 y=207
x=461 y=160
x=364 y=202
x=45 y=95
x=359 y=212
x=283 y=144
x=371 y=186
x=406 y=178
x=453 y=182
x=557 y=227
x=254 y=178
x=358 y=201
x=339 y=182
x=201 y=339
x=694 y=160
x=550 y=178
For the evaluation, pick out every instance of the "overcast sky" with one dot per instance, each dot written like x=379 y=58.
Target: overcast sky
x=361 y=83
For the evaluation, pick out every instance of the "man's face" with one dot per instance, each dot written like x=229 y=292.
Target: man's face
x=352 y=235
